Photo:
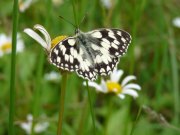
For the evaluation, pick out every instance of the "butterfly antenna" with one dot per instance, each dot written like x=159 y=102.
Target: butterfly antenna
x=68 y=21
x=84 y=17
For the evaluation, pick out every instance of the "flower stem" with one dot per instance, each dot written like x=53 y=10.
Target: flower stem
x=62 y=99
x=13 y=67
x=136 y=120
x=91 y=109
x=36 y=93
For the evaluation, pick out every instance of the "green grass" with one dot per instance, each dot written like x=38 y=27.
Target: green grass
x=153 y=57
x=13 y=68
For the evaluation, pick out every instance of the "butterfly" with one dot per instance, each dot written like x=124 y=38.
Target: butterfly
x=92 y=53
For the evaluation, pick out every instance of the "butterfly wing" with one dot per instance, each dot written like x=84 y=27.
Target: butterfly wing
x=68 y=55
x=64 y=54
x=111 y=43
x=91 y=53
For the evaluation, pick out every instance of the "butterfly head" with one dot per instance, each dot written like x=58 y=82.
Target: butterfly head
x=77 y=31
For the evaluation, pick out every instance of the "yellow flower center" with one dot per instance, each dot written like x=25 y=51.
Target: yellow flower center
x=6 y=46
x=56 y=40
x=114 y=87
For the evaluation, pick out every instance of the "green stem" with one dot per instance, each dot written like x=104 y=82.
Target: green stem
x=62 y=99
x=36 y=95
x=91 y=109
x=175 y=75
x=13 y=68
x=83 y=117
x=38 y=80
x=135 y=123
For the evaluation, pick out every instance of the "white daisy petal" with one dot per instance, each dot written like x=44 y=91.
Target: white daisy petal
x=45 y=33
x=6 y=44
x=132 y=86
x=95 y=85
x=23 y=5
x=52 y=76
x=40 y=127
x=176 y=22
x=36 y=37
x=122 y=96
x=107 y=3
x=127 y=79
x=130 y=92
x=26 y=127
x=104 y=86
x=116 y=75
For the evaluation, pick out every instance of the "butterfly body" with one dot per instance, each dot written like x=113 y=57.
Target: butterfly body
x=92 y=53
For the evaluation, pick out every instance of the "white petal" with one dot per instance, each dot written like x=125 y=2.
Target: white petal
x=24 y=5
x=45 y=33
x=40 y=127
x=95 y=85
x=1 y=53
x=26 y=127
x=130 y=92
x=127 y=79
x=52 y=76
x=122 y=96
x=132 y=86
x=36 y=37
x=104 y=86
x=20 y=45
x=116 y=75
x=30 y=117
x=4 y=39
x=176 y=22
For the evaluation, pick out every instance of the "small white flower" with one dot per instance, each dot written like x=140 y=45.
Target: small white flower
x=24 y=4
x=176 y=22
x=38 y=127
x=6 y=45
x=120 y=89
x=107 y=3
x=52 y=76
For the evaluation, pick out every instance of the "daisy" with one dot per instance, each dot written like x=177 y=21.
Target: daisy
x=52 y=76
x=176 y=22
x=120 y=89
x=6 y=45
x=38 y=127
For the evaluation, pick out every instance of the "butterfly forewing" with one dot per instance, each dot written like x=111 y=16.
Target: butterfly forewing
x=114 y=40
x=92 y=53
x=112 y=44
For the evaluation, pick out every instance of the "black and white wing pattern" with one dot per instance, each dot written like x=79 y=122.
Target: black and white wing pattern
x=90 y=54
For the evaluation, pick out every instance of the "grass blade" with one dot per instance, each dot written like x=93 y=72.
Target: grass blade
x=61 y=110
x=91 y=109
x=13 y=68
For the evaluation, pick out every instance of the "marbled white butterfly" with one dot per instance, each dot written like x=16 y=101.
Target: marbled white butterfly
x=90 y=54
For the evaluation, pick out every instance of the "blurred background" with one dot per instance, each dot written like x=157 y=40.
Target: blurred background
x=153 y=57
